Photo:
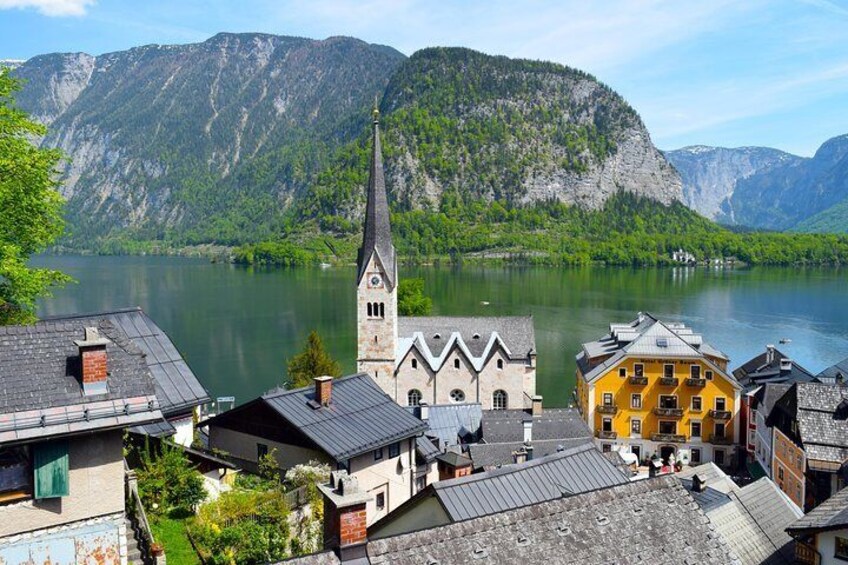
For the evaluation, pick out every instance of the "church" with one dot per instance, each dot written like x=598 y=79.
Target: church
x=433 y=360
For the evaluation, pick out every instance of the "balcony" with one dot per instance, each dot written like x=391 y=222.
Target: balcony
x=720 y=414
x=699 y=383
x=806 y=554
x=607 y=408
x=669 y=381
x=721 y=440
x=639 y=381
x=668 y=438
x=669 y=412
x=601 y=434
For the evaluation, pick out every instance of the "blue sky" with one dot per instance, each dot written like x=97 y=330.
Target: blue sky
x=720 y=72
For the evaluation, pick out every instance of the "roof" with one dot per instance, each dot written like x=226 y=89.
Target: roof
x=836 y=372
x=454 y=459
x=768 y=395
x=41 y=394
x=450 y=422
x=825 y=436
x=425 y=448
x=652 y=521
x=160 y=428
x=377 y=237
x=360 y=417
x=832 y=514
x=500 y=426
x=766 y=368
x=646 y=336
x=434 y=337
x=492 y=455
x=711 y=475
x=177 y=387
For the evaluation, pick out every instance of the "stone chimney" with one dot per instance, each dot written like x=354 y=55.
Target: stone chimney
x=785 y=365
x=698 y=485
x=769 y=353
x=92 y=353
x=536 y=409
x=425 y=410
x=345 y=516
x=519 y=455
x=323 y=390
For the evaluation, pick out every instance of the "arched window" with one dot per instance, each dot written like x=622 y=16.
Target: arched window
x=415 y=363
x=456 y=395
x=499 y=400
x=382 y=310
x=456 y=363
x=500 y=364
x=370 y=310
x=413 y=397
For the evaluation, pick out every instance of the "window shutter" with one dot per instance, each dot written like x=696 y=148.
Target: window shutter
x=50 y=463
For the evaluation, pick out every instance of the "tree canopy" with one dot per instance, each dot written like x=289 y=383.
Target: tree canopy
x=411 y=298
x=313 y=361
x=31 y=217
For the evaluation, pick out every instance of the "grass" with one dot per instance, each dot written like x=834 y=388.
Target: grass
x=171 y=533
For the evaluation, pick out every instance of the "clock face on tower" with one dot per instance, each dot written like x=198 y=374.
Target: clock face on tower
x=376 y=280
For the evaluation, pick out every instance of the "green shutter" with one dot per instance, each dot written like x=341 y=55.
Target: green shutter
x=50 y=462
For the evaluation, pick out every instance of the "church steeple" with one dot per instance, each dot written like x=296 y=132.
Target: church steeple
x=378 y=231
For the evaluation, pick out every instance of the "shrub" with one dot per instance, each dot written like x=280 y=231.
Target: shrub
x=168 y=482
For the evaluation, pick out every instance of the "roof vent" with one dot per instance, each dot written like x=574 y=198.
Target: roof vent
x=475 y=336
x=662 y=342
x=437 y=336
x=481 y=553
x=563 y=529
x=786 y=364
x=523 y=540
x=602 y=520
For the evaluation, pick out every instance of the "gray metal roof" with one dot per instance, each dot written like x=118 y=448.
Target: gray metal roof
x=768 y=395
x=162 y=428
x=360 y=417
x=40 y=386
x=570 y=472
x=177 y=387
x=831 y=514
x=759 y=370
x=426 y=449
x=650 y=521
x=491 y=455
x=449 y=422
x=835 y=372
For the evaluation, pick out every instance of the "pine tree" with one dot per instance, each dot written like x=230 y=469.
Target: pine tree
x=313 y=361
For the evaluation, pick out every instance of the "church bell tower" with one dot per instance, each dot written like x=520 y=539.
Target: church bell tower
x=377 y=279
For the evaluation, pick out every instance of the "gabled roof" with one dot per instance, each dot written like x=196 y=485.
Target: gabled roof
x=650 y=521
x=377 y=237
x=766 y=368
x=553 y=424
x=832 y=514
x=360 y=417
x=768 y=395
x=449 y=422
x=836 y=372
x=434 y=337
x=41 y=394
x=177 y=387
x=488 y=456
x=824 y=434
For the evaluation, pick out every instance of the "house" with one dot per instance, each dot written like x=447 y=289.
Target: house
x=752 y=519
x=573 y=471
x=835 y=374
x=810 y=442
x=656 y=388
x=821 y=536
x=763 y=400
x=650 y=521
x=68 y=389
x=438 y=360
x=349 y=423
x=178 y=390
x=769 y=367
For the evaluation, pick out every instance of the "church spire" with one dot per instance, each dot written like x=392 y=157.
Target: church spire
x=378 y=231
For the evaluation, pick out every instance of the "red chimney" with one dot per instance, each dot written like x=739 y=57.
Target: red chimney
x=323 y=390
x=345 y=516
x=92 y=351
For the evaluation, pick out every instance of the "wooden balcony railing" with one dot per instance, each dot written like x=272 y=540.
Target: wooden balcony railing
x=669 y=381
x=607 y=409
x=700 y=383
x=806 y=554
x=639 y=381
x=601 y=434
x=668 y=438
x=720 y=414
x=669 y=412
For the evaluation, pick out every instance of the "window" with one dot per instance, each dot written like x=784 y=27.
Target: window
x=50 y=463
x=394 y=450
x=607 y=399
x=668 y=371
x=499 y=400
x=697 y=404
x=719 y=429
x=635 y=427
x=695 y=458
x=381 y=501
x=622 y=372
x=695 y=371
x=382 y=310
x=708 y=375
x=500 y=364
x=378 y=454
x=421 y=483
x=780 y=473
x=261 y=451
x=343 y=465
x=639 y=370
x=721 y=404
x=456 y=363
x=606 y=425
x=718 y=457
x=668 y=428
x=695 y=429
x=841 y=550
x=457 y=395
x=415 y=363
x=370 y=310
x=15 y=474
x=606 y=448
x=413 y=397
x=636 y=400
x=668 y=401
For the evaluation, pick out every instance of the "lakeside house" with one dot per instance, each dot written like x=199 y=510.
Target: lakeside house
x=68 y=389
x=349 y=423
x=438 y=360
x=655 y=388
x=821 y=536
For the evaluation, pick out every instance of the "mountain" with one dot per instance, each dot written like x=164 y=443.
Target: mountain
x=710 y=174
x=244 y=136
x=765 y=188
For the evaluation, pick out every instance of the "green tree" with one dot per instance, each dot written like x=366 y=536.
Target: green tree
x=31 y=217
x=167 y=481
x=313 y=361
x=411 y=298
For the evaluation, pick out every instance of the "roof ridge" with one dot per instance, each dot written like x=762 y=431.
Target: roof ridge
x=285 y=392
x=79 y=315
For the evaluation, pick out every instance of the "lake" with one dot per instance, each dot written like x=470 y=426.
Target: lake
x=237 y=326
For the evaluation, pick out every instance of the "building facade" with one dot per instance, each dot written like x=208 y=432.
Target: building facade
x=436 y=360
x=653 y=388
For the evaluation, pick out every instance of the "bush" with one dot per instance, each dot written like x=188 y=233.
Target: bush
x=168 y=482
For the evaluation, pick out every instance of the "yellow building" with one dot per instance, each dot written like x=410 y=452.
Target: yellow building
x=650 y=387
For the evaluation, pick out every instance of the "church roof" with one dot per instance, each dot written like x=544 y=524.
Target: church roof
x=435 y=336
x=377 y=238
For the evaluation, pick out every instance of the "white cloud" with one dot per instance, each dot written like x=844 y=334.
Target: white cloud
x=50 y=7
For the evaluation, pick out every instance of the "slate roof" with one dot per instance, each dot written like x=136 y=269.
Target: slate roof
x=832 y=514
x=161 y=428
x=824 y=436
x=768 y=395
x=177 y=387
x=360 y=417
x=759 y=370
x=40 y=383
x=500 y=426
x=434 y=337
x=835 y=372
x=377 y=237
x=492 y=455
x=651 y=521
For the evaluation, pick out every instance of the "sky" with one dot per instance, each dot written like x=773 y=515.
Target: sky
x=717 y=72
